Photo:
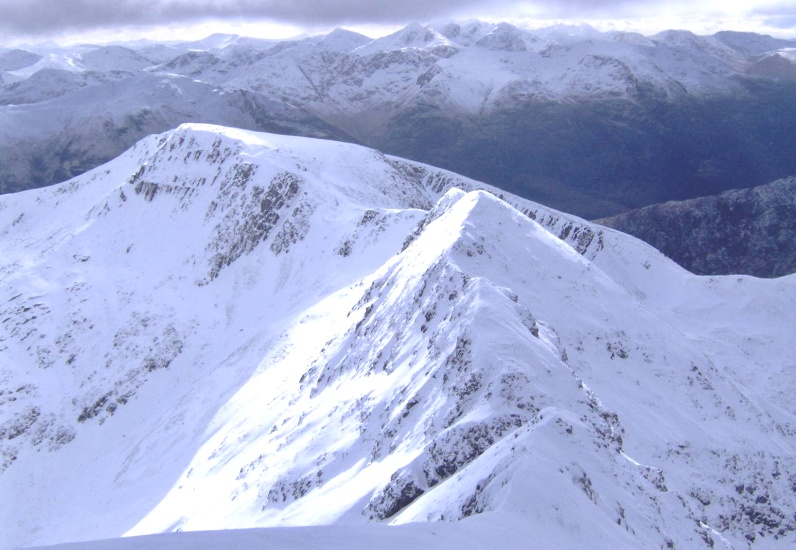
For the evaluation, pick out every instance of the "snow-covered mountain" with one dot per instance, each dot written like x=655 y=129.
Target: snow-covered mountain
x=16 y=59
x=593 y=123
x=64 y=136
x=224 y=329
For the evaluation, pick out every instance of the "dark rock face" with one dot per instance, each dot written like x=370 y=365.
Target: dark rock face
x=747 y=231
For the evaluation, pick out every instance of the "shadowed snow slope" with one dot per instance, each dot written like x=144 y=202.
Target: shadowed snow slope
x=224 y=329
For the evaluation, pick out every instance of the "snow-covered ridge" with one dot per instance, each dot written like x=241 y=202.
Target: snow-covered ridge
x=550 y=59
x=226 y=329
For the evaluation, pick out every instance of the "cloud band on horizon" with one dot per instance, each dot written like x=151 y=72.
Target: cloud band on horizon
x=37 y=18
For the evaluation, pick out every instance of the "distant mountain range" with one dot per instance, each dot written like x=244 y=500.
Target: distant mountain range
x=223 y=329
x=588 y=122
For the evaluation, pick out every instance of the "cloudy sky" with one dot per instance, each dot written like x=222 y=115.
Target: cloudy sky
x=98 y=20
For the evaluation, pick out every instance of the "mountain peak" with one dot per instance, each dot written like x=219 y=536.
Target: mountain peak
x=505 y=37
x=16 y=59
x=413 y=35
x=344 y=41
x=463 y=33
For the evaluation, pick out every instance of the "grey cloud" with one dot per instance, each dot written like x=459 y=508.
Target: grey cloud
x=781 y=21
x=33 y=17
x=41 y=17
x=782 y=16
x=590 y=8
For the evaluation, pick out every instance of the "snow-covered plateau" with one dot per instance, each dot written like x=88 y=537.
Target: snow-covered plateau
x=223 y=329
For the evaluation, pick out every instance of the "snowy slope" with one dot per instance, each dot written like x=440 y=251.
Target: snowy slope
x=224 y=329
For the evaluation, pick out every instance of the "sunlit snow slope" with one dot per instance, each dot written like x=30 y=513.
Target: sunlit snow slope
x=224 y=329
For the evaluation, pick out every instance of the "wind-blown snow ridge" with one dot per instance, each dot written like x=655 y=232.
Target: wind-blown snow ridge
x=226 y=329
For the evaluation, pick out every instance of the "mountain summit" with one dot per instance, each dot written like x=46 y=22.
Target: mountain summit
x=225 y=329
